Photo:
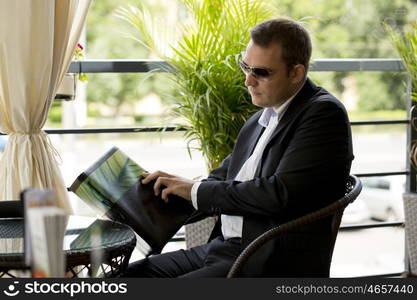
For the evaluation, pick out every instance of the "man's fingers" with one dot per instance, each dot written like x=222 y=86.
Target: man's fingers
x=165 y=192
x=151 y=176
x=161 y=181
x=169 y=185
x=148 y=177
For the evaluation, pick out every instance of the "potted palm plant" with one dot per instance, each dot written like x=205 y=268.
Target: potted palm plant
x=212 y=98
x=406 y=45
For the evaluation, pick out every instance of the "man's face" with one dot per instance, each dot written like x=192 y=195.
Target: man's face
x=272 y=90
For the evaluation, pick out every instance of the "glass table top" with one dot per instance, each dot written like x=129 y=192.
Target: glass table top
x=82 y=233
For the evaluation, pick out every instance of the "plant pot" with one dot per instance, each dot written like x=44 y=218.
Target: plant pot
x=410 y=215
x=68 y=88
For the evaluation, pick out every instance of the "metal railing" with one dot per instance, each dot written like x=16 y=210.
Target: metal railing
x=147 y=65
x=155 y=65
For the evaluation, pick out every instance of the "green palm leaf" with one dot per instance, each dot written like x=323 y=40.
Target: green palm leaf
x=406 y=46
x=212 y=97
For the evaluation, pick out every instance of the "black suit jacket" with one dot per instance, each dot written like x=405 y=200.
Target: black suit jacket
x=304 y=167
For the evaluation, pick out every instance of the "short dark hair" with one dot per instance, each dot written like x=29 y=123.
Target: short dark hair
x=290 y=35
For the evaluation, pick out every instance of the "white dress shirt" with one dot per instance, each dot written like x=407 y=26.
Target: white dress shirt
x=232 y=225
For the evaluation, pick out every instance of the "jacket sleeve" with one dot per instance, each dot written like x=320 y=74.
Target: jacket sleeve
x=218 y=174
x=318 y=153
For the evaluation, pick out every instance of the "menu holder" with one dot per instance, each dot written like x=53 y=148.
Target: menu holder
x=45 y=225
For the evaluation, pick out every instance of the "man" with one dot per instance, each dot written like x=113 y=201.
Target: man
x=290 y=158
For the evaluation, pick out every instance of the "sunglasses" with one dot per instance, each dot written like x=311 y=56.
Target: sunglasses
x=257 y=72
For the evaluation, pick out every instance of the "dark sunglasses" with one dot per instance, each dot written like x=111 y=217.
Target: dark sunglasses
x=257 y=72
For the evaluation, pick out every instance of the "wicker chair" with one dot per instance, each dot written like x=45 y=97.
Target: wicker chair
x=353 y=189
x=198 y=233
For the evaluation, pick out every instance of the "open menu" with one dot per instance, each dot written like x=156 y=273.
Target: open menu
x=112 y=186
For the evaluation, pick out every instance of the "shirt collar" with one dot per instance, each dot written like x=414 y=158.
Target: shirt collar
x=268 y=112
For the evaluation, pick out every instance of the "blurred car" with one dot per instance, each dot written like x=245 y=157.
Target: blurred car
x=380 y=199
x=356 y=212
x=383 y=197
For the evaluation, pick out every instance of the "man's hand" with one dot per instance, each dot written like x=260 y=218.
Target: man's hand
x=173 y=185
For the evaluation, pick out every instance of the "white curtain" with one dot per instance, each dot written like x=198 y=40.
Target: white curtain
x=37 y=42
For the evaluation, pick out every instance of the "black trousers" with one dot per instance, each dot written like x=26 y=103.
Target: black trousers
x=213 y=259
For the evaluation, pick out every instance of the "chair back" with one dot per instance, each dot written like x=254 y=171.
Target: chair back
x=353 y=189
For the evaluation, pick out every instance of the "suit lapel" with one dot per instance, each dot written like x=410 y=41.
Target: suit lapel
x=299 y=100
x=245 y=145
x=294 y=107
x=254 y=139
